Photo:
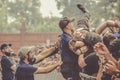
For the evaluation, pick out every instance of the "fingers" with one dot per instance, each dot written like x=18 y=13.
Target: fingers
x=60 y=63
x=100 y=48
x=110 y=65
x=111 y=62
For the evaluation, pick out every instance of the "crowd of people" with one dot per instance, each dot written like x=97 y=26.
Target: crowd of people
x=94 y=53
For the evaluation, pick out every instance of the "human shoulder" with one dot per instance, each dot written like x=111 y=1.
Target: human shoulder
x=4 y=58
x=25 y=66
x=25 y=69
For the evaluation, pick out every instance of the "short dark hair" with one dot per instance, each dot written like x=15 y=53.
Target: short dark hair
x=64 y=22
x=92 y=38
x=115 y=48
x=4 y=45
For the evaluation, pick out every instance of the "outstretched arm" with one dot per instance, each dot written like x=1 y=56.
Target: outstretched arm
x=48 y=68
x=108 y=24
x=44 y=53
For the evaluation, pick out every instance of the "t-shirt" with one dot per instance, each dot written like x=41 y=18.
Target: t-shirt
x=92 y=64
x=7 y=73
x=66 y=54
x=25 y=71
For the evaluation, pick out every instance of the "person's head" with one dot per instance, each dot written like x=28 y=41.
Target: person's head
x=92 y=38
x=26 y=52
x=80 y=33
x=83 y=23
x=107 y=38
x=6 y=49
x=66 y=23
x=115 y=48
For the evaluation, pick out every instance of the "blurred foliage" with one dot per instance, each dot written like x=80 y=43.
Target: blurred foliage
x=118 y=8
x=23 y=16
x=100 y=10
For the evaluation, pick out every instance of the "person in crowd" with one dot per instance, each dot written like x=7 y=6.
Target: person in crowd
x=42 y=54
x=113 y=25
x=109 y=60
x=7 y=64
x=70 y=68
x=26 y=71
x=88 y=59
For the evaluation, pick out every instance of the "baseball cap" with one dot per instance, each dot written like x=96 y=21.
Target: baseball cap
x=64 y=22
x=4 y=45
x=23 y=51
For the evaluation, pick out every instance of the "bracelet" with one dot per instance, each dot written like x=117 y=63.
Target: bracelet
x=80 y=51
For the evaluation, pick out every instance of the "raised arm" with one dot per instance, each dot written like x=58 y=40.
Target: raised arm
x=44 y=53
x=101 y=49
x=48 y=68
x=112 y=25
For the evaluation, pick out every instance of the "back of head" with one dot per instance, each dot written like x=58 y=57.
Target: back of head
x=92 y=38
x=115 y=48
x=107 y=38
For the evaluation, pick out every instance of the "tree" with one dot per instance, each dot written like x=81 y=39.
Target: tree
x=24 y=12
x=100 y=10
x=3 y=15
x=118 y=8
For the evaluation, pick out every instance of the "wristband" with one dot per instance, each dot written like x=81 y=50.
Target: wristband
x=80 y=51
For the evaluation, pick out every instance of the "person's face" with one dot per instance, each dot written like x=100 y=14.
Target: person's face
x=31 y=54
x=70 y=26
x=7 y=50
x=83 y=33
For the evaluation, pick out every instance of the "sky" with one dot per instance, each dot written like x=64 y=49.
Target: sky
x=48 y=8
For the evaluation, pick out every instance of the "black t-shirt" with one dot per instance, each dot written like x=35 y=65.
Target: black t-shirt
x=67 y=55
x=25 y=71
x=6 y=63
x=92 y=64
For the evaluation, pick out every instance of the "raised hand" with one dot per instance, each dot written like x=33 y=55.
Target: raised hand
x=101 y=49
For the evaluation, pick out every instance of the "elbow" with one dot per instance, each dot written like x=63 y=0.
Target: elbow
x=109 y=23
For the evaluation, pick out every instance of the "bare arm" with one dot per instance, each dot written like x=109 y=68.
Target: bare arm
x=81 y=61
x=81 y=50
x=13 y=67
x=99 y=75
x=78 y=47
x=48 y=68
x=108 y=24
x=44 y=53
x=79 y=44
